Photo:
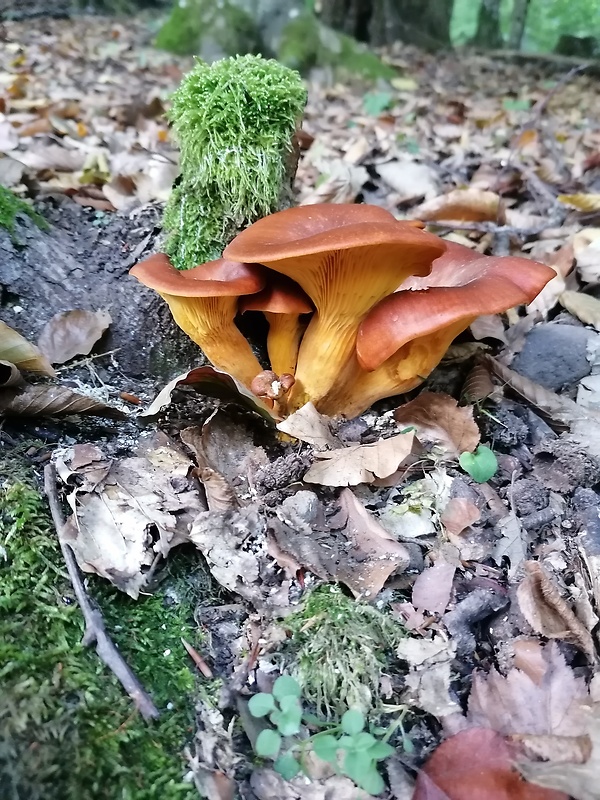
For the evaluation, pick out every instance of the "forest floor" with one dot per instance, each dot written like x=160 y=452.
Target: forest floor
x=455 y=606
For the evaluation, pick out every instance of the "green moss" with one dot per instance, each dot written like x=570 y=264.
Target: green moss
x=67 y=730
x=306 y=43
x=11 y=206
x=339 y=649
x=209 y=29
x=234 y=121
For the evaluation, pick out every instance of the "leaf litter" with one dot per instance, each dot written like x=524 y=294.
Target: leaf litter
x=473 y=570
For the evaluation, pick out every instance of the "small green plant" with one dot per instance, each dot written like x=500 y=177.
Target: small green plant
x=354 y=751
x=480 y=465
x=375 y=103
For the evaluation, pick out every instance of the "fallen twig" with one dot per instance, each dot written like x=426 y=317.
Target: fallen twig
x=95 y=632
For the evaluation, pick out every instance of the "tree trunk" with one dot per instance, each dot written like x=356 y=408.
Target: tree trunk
x=425 y=23
x=517 y=24
x=76 y=264
x=488 y=25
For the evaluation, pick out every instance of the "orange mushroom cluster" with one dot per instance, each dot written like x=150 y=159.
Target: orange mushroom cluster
x=360 y=306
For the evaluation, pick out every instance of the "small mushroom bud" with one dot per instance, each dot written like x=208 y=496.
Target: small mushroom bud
x=267 y=384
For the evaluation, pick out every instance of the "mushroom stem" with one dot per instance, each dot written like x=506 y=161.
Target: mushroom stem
x=209 y=321
x=283 y=341
x=327 y=347
x=358 y=389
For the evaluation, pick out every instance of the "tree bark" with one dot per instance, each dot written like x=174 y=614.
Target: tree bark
x=425 y=23
x=488 y=25
x=517 y=24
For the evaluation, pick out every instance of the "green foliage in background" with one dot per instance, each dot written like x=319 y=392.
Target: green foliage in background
x=546 y=21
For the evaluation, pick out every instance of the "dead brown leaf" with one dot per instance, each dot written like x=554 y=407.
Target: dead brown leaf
x=511 y=543
x=363 y=463
x=411 y=181
x=433 y=587
x=459 y=514
x=212 y=382
x=476 y=764
x=586 y=247
x=428 y=681
x=354 y=549
x=380 y=554
x=268 y=784
x=579 y=780
x=478 y=385
x=489 y=326
x=226 y=447
x=233 y=542
x=129 y=513
x=516 y=704
x=438 y=418
x=548 y=613
x=309 y=426
x=72 y=333
x=582 y=202
x=559 y=409
x=47 y=400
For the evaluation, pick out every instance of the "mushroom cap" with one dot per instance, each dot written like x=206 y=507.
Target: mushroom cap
x=306 y=230
x=281 y=295
x=462 y=285
x=220 y=278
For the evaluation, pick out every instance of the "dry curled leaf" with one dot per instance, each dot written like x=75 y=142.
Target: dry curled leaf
x=580 y=780
x=548 y=613
x=380 y=554
x=24 y=355
x=212 y=382
x=489 y=326
x=410 y=180
x=9 y=375
x=309 y=426
x=433 y=587
x=72 y=333
x=438 y=418
x=557 y=409
x=462 y=205
x=583 y=306
x=428 y=680
x=53 y=401
x=363 y=463
x=478 y=384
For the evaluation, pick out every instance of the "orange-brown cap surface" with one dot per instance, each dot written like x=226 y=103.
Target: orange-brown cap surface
x=220 y=278
x=462 y=285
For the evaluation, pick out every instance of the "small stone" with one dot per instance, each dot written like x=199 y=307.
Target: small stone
x=554 y=355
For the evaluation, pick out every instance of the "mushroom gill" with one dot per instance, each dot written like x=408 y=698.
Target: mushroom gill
x=347 y=258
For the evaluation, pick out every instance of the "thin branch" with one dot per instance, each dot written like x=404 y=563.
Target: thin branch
x=95 y=632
